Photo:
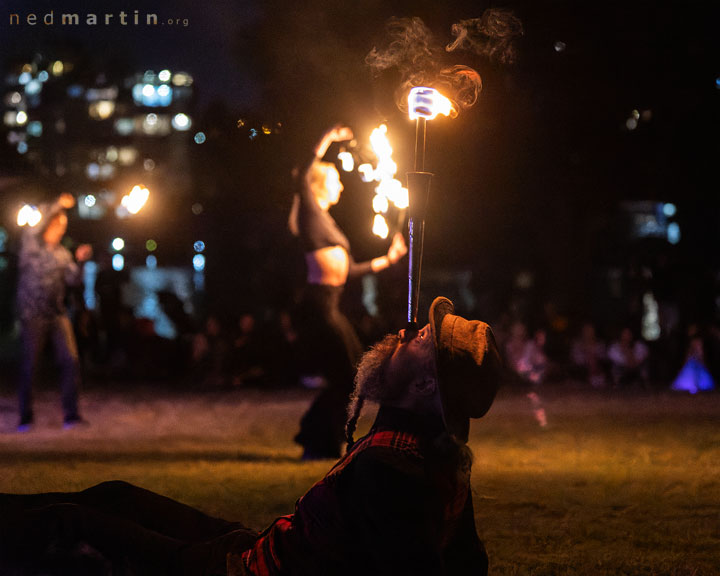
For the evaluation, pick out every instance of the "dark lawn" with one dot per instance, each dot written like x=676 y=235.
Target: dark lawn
x=616 y=483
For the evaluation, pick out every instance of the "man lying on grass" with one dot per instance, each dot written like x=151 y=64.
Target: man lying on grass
x=398 y=503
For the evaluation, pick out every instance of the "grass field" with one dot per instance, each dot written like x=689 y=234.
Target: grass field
x=616 y=483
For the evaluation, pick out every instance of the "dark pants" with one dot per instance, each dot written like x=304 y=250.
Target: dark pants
x=330 y=344
x=35 y=333
x=137 y=531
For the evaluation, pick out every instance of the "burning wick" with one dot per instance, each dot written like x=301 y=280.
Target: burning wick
x=28 y=216
x=425 y=104
x=135 y=200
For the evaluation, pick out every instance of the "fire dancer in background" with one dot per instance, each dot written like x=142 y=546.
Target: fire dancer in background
x=329 y=337
x=399 y=502
x=46 y=269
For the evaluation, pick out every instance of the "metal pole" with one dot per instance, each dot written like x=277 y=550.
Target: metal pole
x=420 y=136
x=419 y=193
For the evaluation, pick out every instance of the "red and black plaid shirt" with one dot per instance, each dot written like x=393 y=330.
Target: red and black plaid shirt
x=380 y=510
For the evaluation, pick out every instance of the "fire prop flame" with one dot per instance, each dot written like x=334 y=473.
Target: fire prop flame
x=427 y=103
x=389 y=189
x=28 y=216
x=135 y=200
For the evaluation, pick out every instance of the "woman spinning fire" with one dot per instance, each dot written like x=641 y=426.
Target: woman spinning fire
x=329 y=335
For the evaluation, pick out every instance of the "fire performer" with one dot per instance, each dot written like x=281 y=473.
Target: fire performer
x=399 y=502
x=46 y=268
x=330 y=340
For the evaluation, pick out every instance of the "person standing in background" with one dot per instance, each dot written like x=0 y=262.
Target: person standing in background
x=46 y=268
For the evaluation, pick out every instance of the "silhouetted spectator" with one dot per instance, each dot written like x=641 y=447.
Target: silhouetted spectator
x=588 y=355
x=280 y=357
x=533 y=363
x=246 y=352
x=210 y=354
x=694 y=376
x=515 y=346
x=628 y=360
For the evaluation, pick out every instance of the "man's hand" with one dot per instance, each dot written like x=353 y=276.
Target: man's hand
x=338 y=133
x=83 y=252
x=397 y=249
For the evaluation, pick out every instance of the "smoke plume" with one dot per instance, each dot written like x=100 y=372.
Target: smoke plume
x=421 y=60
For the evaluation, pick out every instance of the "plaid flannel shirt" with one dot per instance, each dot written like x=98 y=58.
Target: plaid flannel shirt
x=377 y=512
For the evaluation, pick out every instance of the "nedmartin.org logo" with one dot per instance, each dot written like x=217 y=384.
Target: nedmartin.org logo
x=122 y=18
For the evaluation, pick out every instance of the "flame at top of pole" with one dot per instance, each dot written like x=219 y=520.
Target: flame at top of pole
x=422 y=61
x=427 y=103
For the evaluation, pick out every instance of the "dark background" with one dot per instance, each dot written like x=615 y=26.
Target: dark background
x=530 y=179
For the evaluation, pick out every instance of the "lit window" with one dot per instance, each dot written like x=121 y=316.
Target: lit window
x=669 y=210
x=33 y=87
x=199 y=262
x=34 y=128
x=75 y=91
x=101 y=109
x=154 y=125
x=182 y=79
x=124 y=126
x=118 y=262
x=127 y=155
x=673 y=233
x=93 y=171
x=181 y=122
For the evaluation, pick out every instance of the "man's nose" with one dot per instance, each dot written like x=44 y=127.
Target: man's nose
x=407 y=334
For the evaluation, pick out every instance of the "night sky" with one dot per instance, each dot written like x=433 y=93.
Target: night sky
x=531 y=175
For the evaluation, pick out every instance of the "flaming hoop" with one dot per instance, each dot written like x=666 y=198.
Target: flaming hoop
x=423 y=104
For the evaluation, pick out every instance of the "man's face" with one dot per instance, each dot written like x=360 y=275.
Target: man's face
x=414 y=356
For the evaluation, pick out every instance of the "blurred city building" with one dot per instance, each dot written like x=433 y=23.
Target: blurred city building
x=119 y=141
